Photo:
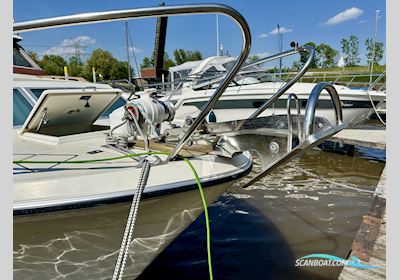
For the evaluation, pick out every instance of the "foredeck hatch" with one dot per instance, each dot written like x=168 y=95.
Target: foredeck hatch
x=66 y=112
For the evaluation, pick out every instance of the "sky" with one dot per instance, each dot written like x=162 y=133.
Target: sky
x=319 y=21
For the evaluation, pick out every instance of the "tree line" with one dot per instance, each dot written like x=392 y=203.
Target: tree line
x=109 y=68
x=180 y=56
x=106 y=65
x=328 y=57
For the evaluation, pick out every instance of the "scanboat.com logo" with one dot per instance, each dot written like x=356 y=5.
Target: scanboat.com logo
x=329 y=260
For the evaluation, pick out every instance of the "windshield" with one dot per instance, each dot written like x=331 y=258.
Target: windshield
x=239 y=80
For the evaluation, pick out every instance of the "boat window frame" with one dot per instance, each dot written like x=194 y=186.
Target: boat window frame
x=29 y=95
x=25 y=55
x=27 y=98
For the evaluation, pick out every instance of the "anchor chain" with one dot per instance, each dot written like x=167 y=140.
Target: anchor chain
x=127 y=238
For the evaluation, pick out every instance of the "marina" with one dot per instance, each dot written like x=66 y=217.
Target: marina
x=212 y=168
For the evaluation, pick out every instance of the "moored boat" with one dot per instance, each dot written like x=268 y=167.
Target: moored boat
x=67 y=164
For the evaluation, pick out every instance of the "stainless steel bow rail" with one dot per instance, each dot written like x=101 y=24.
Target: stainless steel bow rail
x=311 y=138
x=269 y=136
x=304 y=49
x=309 y=115
x=291 y=97
x=311 y=53
x=96 y=17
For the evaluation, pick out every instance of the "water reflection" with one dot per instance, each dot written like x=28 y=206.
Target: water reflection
x=260 y=231
x=312 y=205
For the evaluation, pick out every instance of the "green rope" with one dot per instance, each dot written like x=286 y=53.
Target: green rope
x=196 y=176
x=86 y=160
x=208 y=233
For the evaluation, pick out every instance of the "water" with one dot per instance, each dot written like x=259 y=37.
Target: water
x=258 y=232
x=311 y=205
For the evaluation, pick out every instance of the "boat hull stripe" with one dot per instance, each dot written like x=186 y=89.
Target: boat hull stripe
x=126 y=198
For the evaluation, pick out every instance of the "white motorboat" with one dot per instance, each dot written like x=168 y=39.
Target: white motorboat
x=47 y=196
x=42 y=190
x=75 y=174
x=193 y=82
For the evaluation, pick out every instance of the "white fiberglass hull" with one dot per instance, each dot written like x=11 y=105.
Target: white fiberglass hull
x=240 y=102
x=84 y=244
x=69 y=219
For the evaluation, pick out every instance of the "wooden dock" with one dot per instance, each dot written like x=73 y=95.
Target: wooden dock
x=362 y=137
x=369 y=245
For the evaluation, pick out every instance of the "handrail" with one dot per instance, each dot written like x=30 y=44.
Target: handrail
x=174 y=91
x=272 y=57
x=289 y=119
x=86 y=18
x=283 y=89
x=376 y=81
x=339 y=78
x=308 y=125
x=286 y=86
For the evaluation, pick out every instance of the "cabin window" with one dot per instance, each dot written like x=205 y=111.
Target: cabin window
x=21 y=108
x=19 y=59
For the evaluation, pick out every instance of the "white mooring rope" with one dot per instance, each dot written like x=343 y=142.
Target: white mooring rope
x=130 y=224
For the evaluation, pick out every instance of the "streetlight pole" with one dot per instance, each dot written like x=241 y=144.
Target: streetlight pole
x=373 y=45
x=280 y=50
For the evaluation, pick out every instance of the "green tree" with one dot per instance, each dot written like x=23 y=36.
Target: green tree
x=253 y=58
x=34 y=56
x=168 y=62
x=327 y=56
x=105 y=64
x=75 y=67
x=378 y=51
x=296 y=65
x=350 y=48
x=53 y=64
x=148 y=62
x=182 y=56
x=303 y=56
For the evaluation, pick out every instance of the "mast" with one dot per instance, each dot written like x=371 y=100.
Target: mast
x=127 y=52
